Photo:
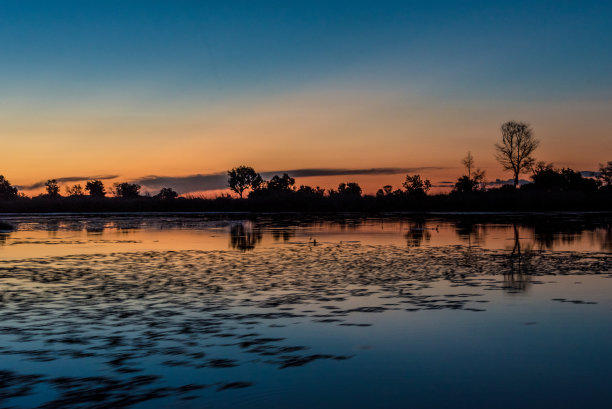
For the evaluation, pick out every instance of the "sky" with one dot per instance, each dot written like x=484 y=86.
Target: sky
x=177 y=92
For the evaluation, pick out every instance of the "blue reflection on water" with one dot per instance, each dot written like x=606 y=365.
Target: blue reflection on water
x=355 y=324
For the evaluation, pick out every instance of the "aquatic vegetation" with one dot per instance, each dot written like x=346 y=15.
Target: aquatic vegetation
x=137 y=313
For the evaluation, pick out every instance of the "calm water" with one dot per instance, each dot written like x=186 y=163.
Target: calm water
x=214 y=311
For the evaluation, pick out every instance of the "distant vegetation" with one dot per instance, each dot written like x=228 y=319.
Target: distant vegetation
x=551 y=189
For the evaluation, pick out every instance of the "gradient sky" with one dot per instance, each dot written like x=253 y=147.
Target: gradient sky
x=178 y=88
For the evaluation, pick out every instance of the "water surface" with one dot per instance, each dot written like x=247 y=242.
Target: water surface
x=296 y=311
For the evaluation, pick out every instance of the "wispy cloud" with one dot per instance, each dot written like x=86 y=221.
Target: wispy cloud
x=347 y=172
x=216 y=181
x=185 y=184
x=40 y=184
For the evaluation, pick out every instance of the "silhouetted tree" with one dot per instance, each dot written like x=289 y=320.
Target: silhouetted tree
x=127 y=190
x=546 y=177
x=385 y=191
x=166 y=193
x=7 y=191
x=95 y=188
x=466 y=184
x=514 y=152
x=75 y=190
x=474 y=180
x=280 y=184
x=52 y=188
x=349 y=189
x=415 y=186
x=468 y=162
x=312 y=191
x=605 y=174
x=243 y=178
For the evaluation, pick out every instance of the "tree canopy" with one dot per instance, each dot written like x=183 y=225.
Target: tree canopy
x=7 y=191
x=517 y=145
x=95 y=188
x=127 y=190
x=243 y=178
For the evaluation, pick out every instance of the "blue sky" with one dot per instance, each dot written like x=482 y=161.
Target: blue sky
x=545 y=49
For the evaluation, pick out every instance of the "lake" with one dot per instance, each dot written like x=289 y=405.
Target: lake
x=303 y=311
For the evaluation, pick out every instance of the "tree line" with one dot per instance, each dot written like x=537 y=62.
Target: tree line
x=93 y=188
x=514 y=152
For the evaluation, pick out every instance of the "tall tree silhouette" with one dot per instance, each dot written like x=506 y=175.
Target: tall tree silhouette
x=517 y=145
x=243 y=178
x=474 y=180
x=468 y=162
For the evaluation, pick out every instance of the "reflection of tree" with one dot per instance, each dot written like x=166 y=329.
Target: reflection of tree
x=604 y=237
x=244 y=237
x=417 y=234
x=469 y=231
x=551 y=232
x=3 y=237
x=284 y=232
x=518 y=278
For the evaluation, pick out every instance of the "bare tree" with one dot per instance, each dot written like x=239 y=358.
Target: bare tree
x=514 y=152
x=468 y=162
x=469 y=183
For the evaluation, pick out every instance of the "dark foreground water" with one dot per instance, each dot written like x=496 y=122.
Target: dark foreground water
x=206 y=311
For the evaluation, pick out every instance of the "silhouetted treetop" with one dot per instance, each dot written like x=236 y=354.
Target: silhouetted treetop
x=280 y=184
x=475 y=178
x=308 y=190
x=166 y=193
x=52 y=188
x=74 y=191
x=7 y=191
x=415 y=186
x=95 y=188
x=386 y=190
x=605 y=174
x=468 y=162
x=349 y=189
x=243 y=178
x=517 y=145
x=546 y=177
x=127 y=190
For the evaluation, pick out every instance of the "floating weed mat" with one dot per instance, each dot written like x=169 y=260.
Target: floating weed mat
x=138 y=315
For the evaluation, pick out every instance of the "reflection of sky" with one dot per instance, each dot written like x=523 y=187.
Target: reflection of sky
x=140 y=88
x=55 y=237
